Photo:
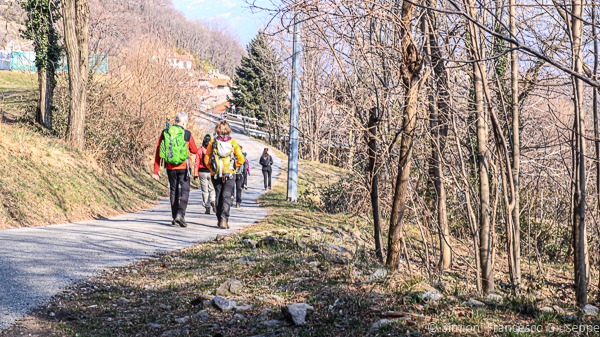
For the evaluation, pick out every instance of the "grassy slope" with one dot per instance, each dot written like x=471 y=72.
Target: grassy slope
x=124 y=301
x=43 y=182
x=11 y=81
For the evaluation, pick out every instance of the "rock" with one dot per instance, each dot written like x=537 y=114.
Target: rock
x=267 y=241
x=223 y=304
x=301 y=244
x=242 y=307
x=231 y=286
x=202 y=315
x=200 y=299
x=338 y=248
x=590 y=310
x=273 y=322
x=547 y=310
x=263 y=316
x=381 y=323
x=378 y=275
x=207 y=304
x=182 y=320
x=558 y=310
x=123 y=300
x=296 y=312
x=432 y=296
x=164 y=306
x=238 y=318
x=175 y=333
x=494 y=298
x=571 y=318
x=250 y=243
x=246 y=260
x=223 y=237
x=314 y=263
x=154 y=325
x=473 y=303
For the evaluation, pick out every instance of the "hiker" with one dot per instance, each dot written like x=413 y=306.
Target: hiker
x=240 y=179
x=202 y=172
x=223 y=168
x=266 y=161
x=174 y=145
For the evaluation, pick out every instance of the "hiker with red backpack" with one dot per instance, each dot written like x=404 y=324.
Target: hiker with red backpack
x=223 y=169
x=202 y=172
x=174 y=146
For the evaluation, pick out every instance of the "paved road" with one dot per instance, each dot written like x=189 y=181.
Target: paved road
x=37 y=263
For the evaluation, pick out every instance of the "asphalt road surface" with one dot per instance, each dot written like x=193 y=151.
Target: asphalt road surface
x=37 y=263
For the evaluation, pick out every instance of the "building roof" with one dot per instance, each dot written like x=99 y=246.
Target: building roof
x=221 y=108
x=220 y=82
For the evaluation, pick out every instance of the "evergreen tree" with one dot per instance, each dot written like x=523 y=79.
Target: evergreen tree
x=40 y=28
x=259 y=85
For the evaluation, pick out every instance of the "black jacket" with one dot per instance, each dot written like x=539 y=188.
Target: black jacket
x=266 y=162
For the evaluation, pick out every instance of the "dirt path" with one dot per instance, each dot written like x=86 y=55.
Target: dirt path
x=36 y=263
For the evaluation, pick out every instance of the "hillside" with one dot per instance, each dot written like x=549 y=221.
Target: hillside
x=118 y=24
x=42 y=181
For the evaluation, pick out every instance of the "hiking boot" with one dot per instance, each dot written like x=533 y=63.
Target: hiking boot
x=207 y=210
x=179 y=220
x=238 y=205
x=225 y=224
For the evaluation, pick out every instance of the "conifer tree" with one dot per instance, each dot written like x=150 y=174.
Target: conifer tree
x=259 y=85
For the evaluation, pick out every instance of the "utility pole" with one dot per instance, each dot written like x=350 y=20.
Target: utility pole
x=292 y=182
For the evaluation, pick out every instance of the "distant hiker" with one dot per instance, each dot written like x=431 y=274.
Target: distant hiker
x=223 y=168
x=266 y=161
x=241 y=175
x=203 y=172
x=174 y=145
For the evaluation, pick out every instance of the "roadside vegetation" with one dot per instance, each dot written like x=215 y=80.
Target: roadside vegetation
x=43 y=181
x=301 y=254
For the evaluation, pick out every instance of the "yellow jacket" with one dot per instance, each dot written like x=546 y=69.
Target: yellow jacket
x=236 y=150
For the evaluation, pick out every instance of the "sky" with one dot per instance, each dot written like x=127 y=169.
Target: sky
x=235 y=14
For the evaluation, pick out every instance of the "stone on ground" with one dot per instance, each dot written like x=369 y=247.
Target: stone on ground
x=473 y=303
x=223 y=304
x=590 y=310
x=296 y=312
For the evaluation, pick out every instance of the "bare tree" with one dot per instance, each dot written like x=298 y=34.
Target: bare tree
x=411 y=71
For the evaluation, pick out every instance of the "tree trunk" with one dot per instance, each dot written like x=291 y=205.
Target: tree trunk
x=374 y=179
x=485 y=232
x=50 y=86
x=595 y=111
x=41 y=102
x=411 y=73
x=76 y=23
x=438 y=119
x=516 y=160
x=579 y=227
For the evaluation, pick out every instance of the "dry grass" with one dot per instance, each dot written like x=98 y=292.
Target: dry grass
x=153 y=297
x=43 y=182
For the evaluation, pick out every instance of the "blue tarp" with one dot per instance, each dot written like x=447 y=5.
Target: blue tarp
x=25 y=61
